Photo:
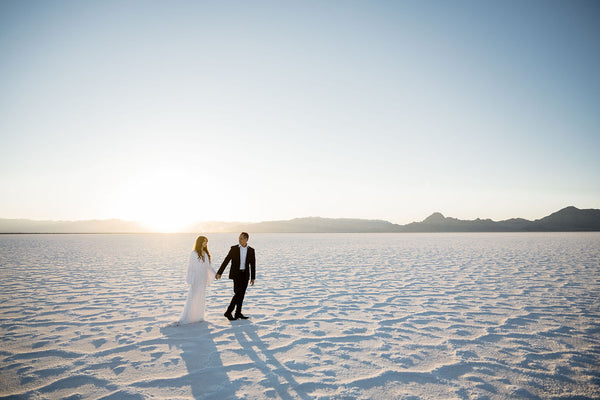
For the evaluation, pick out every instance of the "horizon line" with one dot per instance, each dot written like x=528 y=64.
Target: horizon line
x=275 y=220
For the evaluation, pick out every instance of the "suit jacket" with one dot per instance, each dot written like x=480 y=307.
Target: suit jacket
x=234 y=257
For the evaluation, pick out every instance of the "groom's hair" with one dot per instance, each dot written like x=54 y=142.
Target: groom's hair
x=245 y=235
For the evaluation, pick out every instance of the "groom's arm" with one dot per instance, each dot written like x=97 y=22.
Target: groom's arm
x=252 y=268
x=224 y=264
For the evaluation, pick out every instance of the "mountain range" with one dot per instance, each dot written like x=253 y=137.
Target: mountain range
x=566 y=220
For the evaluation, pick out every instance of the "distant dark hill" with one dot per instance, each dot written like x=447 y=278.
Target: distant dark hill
x=567 y=219
x=314 y=225
x=438 y=223
x=435 y=218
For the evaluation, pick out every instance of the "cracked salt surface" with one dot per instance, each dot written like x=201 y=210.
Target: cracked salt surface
x=333 y=316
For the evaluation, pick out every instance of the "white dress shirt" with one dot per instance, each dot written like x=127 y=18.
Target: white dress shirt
x=243 y=252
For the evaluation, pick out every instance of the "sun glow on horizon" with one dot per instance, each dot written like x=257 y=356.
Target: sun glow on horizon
x=166 y=225
x=164 y=199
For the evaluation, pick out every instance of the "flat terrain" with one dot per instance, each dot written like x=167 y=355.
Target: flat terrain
x=333 y=316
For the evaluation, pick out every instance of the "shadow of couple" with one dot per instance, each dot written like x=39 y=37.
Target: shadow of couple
x=209 y=378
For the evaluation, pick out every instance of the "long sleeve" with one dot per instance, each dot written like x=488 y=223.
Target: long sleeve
x=210 y=271
x=190 y=271
x=253 y=265
x=225 y=262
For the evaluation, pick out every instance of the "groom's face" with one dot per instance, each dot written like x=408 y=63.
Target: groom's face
x=243 y=240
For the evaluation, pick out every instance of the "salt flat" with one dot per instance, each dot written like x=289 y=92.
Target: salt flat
x=333 y=316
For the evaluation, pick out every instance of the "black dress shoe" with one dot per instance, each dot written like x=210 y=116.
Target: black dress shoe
x=229 y=316
x=240 y=316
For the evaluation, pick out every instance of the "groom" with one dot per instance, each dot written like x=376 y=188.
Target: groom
x=242 y=269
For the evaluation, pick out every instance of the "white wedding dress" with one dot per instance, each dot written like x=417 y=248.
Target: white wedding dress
x=199 y=275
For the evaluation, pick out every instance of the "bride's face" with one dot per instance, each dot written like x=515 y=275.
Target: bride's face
x=204 y=244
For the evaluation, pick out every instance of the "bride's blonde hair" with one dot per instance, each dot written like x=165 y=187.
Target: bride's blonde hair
x=198 y=248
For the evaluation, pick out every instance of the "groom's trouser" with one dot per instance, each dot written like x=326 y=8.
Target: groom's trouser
x=239 y=288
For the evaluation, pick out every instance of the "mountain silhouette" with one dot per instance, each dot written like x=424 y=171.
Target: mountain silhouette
x=569 y=219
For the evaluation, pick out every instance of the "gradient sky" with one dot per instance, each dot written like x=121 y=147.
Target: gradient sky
x=175 y=112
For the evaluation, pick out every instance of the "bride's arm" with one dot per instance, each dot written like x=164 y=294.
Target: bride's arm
x=210 y=271
x=189 y=278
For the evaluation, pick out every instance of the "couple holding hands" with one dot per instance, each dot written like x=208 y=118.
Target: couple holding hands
x=200 y=273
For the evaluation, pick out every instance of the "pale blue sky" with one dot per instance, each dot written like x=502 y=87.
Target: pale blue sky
x=171 y=112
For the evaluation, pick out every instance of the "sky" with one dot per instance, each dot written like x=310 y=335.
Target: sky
x=175 y=112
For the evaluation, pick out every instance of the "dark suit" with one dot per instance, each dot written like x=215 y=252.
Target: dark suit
x=240 y=277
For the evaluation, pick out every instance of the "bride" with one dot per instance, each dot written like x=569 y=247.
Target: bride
x=199 y=275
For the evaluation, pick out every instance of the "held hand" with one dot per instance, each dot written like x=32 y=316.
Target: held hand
x=252 y=282
x=218 y=276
